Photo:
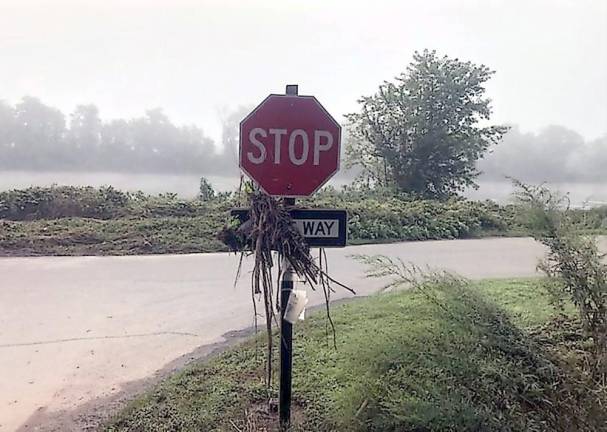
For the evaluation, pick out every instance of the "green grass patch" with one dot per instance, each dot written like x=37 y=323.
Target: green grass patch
x=451 y=358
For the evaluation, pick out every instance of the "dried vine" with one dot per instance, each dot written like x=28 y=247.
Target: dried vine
x=269 y=230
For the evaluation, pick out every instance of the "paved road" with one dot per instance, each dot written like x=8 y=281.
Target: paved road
x=73 y=329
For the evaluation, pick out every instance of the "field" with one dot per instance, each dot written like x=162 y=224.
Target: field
x=102 y=221
x=453 y=356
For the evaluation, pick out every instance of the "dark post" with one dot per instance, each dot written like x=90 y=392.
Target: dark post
x=286 y=328
x=286 y=348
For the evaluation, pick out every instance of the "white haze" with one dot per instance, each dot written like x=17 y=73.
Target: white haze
x=200 y=59
x=196 y=57
x=186 y=186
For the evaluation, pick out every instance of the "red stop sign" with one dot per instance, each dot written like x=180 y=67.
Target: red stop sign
x=289 y=145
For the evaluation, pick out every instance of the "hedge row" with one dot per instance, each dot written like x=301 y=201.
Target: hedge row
x=58 y=202
x=393 y=218
x=64 y=215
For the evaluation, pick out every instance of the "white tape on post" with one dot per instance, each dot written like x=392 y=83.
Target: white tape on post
x=296 y=305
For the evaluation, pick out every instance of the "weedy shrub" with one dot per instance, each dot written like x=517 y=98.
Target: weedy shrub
x=62 y=201
x=487 y=374
x=206 y=191
x=374 y=216
x=574 y=265
x=382 y=216
x=105 y=202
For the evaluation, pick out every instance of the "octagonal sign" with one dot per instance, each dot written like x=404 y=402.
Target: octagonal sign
x=289 y=145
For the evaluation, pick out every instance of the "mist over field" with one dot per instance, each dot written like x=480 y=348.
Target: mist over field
x=41 y=147
x=187 y=186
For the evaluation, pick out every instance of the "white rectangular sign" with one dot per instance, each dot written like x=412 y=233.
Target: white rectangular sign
x=319 y=227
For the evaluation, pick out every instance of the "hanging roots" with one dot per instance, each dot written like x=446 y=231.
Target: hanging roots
x=270 y=229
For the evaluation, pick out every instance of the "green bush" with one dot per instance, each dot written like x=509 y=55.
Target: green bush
x=63 y=201
x=389 y=217
x=574 y=265
x=58 y=202
x=374 y=216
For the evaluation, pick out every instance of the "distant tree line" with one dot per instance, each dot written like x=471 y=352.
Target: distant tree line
x=35 y=136
x=555 y=154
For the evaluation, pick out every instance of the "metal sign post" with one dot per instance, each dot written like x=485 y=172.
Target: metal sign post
x=286 y=328
x=286 y=342
x=290 y=146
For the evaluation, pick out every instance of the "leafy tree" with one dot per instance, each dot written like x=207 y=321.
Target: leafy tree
x=85 y=127
x=34 y=136
x=84 y=136
x=421 y=133
x=39 y=134
x=116 y=145
x=153 y=138
x=7 y=130
x=194 y=151
x=230 y=132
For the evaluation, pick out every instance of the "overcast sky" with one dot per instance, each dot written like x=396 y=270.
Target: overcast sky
x=197 y=58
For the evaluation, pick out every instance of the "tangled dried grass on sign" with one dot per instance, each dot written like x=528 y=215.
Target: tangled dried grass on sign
x=270 y=229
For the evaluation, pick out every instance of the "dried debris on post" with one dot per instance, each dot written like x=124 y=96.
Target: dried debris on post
x=267 y=234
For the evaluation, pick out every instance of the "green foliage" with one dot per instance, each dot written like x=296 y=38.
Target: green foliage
x=75 y=220
x=385 y=216
x=480 y=372
x=206 y=191
x=58 y=202
x=420 y=133
x=440 y=358
x=593 y=219
x=574 y=265
x=65 y=201
x=99 y=221
x=123 y=236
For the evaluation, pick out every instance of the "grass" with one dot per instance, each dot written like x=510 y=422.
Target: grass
x=77 y=236
x=448 y=358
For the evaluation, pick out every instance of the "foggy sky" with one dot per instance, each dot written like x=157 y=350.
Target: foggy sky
x=197 y=58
